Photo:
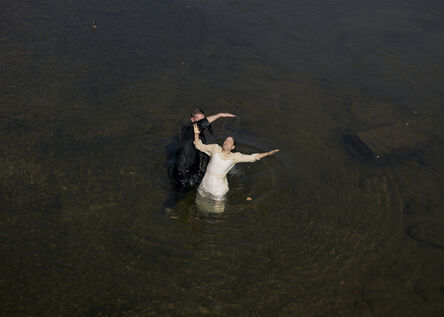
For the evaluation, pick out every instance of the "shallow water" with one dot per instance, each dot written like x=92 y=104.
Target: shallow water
x=88 y=116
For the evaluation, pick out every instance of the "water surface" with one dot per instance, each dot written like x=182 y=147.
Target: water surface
x=92 y=95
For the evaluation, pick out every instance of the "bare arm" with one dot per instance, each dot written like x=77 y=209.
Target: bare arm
x=220 y=115
x=262 y=155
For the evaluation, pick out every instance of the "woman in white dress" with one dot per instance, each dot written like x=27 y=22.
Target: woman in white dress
x=214 y=184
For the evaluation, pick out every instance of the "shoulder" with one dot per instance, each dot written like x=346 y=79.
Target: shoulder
x=236 y=155
x=187 y=125
x=215 y=147
x=185 y=128
x=239 y=157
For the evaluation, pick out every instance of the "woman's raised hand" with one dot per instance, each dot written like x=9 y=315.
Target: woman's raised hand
x=196 y=129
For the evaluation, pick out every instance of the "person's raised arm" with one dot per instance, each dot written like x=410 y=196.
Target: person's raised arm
x=250 y=158
x=262 y=155
x=196 y=133
x=206 y=148
x=220 y=115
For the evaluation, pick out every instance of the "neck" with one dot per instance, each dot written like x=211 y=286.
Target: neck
x=226 y=152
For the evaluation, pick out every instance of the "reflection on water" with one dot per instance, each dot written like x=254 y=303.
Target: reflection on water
x=208 y=206
x=87 y=115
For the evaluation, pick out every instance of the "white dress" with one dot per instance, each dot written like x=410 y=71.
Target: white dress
x=214 y=184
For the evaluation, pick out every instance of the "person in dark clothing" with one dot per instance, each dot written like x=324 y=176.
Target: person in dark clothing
x=191 y=164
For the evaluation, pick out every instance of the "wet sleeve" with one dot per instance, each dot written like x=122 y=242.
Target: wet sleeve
x=243 y=158
x=203 y=124
x=209 y=149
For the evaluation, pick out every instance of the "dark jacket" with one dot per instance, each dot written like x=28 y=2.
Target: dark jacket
x=190 y=163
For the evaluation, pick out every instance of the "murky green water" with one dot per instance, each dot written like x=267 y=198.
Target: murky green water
x=87 y=114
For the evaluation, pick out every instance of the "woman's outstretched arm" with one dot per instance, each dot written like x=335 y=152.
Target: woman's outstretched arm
x=250 y=158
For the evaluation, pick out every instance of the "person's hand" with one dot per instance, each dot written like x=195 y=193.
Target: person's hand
x=227 y=115
x=196 y=129
x=272 y=152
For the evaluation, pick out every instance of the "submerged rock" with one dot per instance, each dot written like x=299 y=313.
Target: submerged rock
x=427 y=233
x=394 y=140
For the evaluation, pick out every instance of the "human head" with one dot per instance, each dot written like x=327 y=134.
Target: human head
x=197 y=114
x=229 y=144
